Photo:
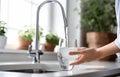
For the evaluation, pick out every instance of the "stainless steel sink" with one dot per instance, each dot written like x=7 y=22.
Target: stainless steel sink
x=31 y=71
x=48 y=67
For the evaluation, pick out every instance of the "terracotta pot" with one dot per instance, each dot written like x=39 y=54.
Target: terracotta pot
x=23 y=44
x=98 y=39
x=48 y=47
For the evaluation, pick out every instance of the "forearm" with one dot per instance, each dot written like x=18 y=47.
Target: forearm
x=91 y=54
x=108 y=50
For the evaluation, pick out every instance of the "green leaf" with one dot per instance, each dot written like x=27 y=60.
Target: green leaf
x=98 y=15
x=52 y=38
x=2 y=28
x=29 y=33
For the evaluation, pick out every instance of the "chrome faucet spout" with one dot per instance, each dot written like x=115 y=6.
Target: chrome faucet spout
x=64 y=19
x=38 y=52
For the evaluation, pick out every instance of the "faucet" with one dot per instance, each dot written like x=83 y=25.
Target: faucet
x=36 y=54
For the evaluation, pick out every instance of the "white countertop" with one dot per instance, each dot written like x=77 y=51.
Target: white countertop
x=92 y=69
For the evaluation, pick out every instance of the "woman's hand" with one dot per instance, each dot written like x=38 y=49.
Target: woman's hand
x=91 y=54
x=85 y=55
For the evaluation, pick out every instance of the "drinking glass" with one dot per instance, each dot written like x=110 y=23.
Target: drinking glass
x=65 y=59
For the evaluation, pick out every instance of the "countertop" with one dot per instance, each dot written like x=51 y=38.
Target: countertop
x=90 y=69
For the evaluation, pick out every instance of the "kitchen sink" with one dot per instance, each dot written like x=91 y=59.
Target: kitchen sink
x=31 y=71
x=45 y=67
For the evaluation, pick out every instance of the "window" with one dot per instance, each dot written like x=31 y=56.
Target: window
x=18 y=13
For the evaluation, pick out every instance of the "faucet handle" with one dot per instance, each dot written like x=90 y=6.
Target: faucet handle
x=30 y=48
x=31 y=54
x=40 y=52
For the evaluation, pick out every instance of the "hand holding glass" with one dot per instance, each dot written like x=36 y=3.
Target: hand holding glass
x=65 y=59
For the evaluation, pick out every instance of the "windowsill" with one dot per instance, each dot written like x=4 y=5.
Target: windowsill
x=10 y=51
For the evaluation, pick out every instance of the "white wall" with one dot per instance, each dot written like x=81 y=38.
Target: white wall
x=57 y=24
x=73 y=21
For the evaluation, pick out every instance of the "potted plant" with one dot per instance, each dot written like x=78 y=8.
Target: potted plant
x=3 y=38
x=26 y=37
x=51 y=40
x=98 y=17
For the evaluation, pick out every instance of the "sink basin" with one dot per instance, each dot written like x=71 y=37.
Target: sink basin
x=45 y=67
x=31 y=71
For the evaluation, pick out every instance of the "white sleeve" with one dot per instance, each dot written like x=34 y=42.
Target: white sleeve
x=117 y=6
x=117 y=41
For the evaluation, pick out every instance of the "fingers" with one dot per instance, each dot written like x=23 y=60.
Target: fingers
x=85 y=55
x=79 y=51
x=81 y=48
x=74 y=53
x=78 y=61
